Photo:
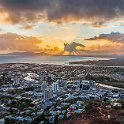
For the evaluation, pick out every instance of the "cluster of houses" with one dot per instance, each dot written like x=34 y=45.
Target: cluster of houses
x=44 y=98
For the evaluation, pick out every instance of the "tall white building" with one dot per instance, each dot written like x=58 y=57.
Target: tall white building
x=48 y=93
x=55 y=86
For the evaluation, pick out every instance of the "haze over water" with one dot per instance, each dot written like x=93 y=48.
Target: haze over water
x=45 y=59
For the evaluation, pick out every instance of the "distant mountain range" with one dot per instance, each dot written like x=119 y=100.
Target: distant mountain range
x=46 y=54
x=26 y=53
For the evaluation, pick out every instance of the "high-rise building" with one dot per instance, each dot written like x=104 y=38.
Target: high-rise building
x=55 y=86
x=16 y=80
x=43 y=86
x=48 y=93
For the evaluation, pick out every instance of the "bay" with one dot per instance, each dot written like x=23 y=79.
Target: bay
x=60 y=60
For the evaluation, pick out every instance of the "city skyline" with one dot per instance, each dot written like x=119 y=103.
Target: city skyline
x=64 y=27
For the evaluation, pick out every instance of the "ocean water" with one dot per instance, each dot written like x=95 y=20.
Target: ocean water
x=60 y=60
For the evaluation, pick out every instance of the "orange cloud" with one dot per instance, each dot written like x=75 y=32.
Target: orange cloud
x=106 y=44
x=15 y=42
x=54 y=45
x=4 y=16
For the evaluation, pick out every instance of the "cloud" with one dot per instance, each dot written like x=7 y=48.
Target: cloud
x=94 y=12
x=104 y=44
x=15 y=42
x=1 y=29
x=109 y=48
x=112 y=43
x=72 y=47
x=114 y=36
x=28 y=27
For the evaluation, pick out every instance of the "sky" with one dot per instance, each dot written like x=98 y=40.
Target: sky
x=62 y=27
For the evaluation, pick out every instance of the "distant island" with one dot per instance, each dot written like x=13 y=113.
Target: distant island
x=111 y=62
x=26 y=53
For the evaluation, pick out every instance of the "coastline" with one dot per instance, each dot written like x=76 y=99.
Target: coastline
x=57 y=60
x=109 y=62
